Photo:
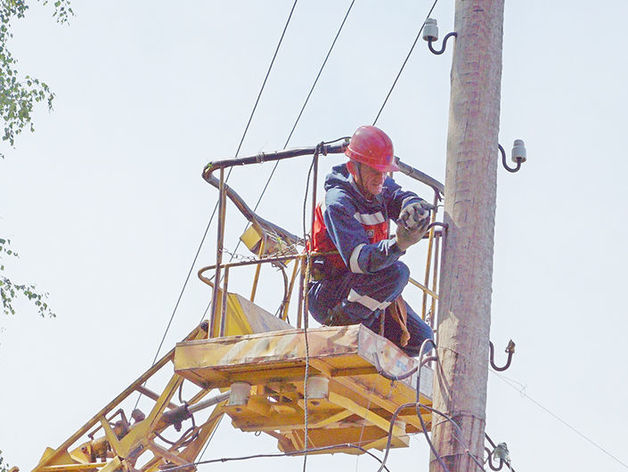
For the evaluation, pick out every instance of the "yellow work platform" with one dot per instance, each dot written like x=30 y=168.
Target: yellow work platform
x=354 y=405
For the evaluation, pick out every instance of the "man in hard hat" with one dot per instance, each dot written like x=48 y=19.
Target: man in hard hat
x=364 y=281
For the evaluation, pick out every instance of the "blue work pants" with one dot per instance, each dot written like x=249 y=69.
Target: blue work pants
x=362 y=298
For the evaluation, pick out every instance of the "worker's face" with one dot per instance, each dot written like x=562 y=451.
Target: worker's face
x=370 y=181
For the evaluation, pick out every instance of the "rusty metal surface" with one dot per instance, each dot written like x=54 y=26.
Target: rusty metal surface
x=359 y=404
x=345 y=350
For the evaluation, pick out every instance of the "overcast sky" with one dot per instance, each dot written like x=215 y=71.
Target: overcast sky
x=106 y=206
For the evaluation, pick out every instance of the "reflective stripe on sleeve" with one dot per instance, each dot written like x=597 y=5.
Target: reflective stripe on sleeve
x=370 y=219
x=353 y=260
x=365 y=300
x=407 y=200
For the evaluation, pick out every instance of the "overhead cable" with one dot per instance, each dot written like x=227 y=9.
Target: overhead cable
x=305 y=324
x=404 y=63
x=296 y=122
x=458 y=434
x=508 y=381
x=307 y=99
x=423 y=360
x=246 y=129
x=279 y=454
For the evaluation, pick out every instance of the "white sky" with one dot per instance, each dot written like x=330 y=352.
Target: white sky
x=106 y=205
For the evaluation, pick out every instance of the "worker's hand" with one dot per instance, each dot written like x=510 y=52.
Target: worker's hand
x=414 y=214
x=407 y=237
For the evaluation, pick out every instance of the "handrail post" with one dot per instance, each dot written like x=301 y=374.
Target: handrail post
x=308 y=266
x=429 y=256
x=262 y=248
x=295 y=269
x=223 y=304
x=219 y=247
x=435 y=277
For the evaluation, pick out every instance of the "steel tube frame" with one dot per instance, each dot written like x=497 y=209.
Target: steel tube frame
x=225 y=191
x=219 y=248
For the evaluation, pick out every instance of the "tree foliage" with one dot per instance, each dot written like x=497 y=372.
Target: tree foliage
x=10 y=291
x=19 y=93
x=4 y=467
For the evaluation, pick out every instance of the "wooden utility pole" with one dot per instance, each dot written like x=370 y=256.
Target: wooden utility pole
x=470 y=188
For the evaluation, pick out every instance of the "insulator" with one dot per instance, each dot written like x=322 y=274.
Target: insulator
x=430 y=30
x=239 y=393
x=317 y=387
x=518 y=151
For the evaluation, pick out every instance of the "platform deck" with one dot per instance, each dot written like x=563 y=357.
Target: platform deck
x=358 y=406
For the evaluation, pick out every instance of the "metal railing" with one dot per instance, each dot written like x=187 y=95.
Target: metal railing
x=280 y=247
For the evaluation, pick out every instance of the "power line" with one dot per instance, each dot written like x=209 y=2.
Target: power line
x=296 y=122
x=246 y=129
x=522 y=391
x=404 y=62
x=281 y=454
x=307 y=98
x=198 y=250
x=283 y=33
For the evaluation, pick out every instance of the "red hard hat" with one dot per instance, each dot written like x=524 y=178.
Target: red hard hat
x=372 y=147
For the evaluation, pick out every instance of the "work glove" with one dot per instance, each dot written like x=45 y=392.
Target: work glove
x=413 y=214
x=407 y=237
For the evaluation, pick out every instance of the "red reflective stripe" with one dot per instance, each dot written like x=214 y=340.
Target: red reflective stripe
x=323 y=243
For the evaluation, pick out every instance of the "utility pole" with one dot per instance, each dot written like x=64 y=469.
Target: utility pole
x=467 y=268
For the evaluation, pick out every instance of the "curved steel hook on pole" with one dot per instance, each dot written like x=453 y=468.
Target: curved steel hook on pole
x=438 y=52
x=510 y=350
x=439 y=224
x=519 y=156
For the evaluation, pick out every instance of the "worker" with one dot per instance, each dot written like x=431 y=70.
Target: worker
x=363 y=281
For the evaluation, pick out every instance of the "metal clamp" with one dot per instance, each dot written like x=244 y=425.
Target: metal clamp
x=489 y=460
x=510 y=350
x=498 y=453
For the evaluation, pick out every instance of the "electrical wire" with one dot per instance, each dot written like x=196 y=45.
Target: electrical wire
x=176 y=306
x=406 y=405
x=458 y=436
x=278 y=454
x=198 y=250
x=558 y=418
x=283 y=33
x=305 y=392
x=246 y=128
x=211 y=436
x=305 y=316
x=404 y=63
x=490 y=452
x=307 y=99
x=371 y=391
x=521 y=390
x=306 y=450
